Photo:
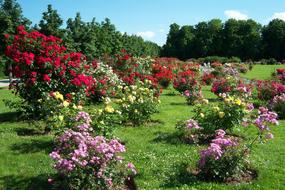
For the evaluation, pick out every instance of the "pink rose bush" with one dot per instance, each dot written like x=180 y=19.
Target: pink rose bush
x=278 y=105
x=89 y=162
x=226 y=157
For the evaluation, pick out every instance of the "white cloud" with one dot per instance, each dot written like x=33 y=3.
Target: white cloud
x=280 y=15
x=146 y=34
x=235 y=15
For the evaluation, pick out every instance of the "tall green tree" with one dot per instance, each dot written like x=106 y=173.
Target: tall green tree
x=51 y=22
x=170 y=49
x=273 y=41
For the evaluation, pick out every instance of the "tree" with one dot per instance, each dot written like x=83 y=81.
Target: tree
x=273 y=39
x=170 y=48
x=51 y=23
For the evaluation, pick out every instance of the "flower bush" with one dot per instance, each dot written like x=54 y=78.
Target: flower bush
x=227 y=158
x=208 y=78
x=106 y=118
x=138 y=102
x=209 y=117
x=89 y=162
x=106 y=81
x=280 y=75
x=57 y=111
x=223 y=85
x=188 y=86
x=268 y=89
x=278 y=105
x=42 y=65
x=223 y=158
x=163 y=74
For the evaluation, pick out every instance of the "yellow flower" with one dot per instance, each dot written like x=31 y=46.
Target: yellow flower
x=79 y=107
x=131 y=98
x=60 y=118
x=238 y=102
x=221 y=114
x=216 y=108
x=65 y=104
x=109 y=109
x=227 y=100
x=58 y=96
x=205 y=101
x=202 y=115
x=136 y=111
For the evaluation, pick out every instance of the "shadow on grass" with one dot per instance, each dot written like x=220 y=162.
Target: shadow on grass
x=178 y=103
x=33 y=146
x=11 y=117
x=170 y=94
x=170 y=138
x=13 y=182
x=181 y=175
x=28 y=131
x=213 y=99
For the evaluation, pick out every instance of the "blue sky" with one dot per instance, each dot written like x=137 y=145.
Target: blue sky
x=151 y=18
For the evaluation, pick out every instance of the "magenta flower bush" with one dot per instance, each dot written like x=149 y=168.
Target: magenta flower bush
x=222 y=159
x=89 y=162
x=278 y=105
x=227 y=157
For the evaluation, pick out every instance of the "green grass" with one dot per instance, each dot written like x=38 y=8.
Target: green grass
x=262 y=71
x=155 y=150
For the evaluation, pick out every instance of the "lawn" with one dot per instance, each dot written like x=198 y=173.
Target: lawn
x=155 y=150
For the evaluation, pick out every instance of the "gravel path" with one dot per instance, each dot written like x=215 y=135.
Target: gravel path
x=4 y=82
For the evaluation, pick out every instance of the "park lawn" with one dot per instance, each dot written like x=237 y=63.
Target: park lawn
x=155 y=149
x=262 y=72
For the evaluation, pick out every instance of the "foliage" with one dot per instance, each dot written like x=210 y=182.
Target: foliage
x=106 y=81
x=42 y=66
x=138 y=102
x=268 y=89
x=226 y=115
x=278 y=105
x=224 y=158
x=87 y=161
x=215 y=41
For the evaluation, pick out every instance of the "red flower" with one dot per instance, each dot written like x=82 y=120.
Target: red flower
x=46 y=77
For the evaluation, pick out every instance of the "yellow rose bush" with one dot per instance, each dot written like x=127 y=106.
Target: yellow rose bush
x=56 y=111
x=106 y=118
x=138 y=102
x=209 y=117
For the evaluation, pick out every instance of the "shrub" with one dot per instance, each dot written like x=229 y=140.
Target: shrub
x=225 y=115
x=222 y=159
x=89 y=162
x=138 y=102
x=208 y=78
x=268 y=89
x=223 y=85
x=226 y=158
x=42 y=65
x=184 y=80
x=163 y=75
x=105 y=79
x=278 y=105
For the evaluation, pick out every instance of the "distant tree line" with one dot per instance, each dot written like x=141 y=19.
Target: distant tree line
x=245 y=39
x=91 y=38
